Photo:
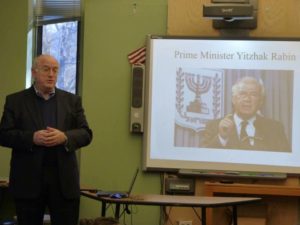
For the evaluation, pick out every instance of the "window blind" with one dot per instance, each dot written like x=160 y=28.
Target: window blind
x=54 y=11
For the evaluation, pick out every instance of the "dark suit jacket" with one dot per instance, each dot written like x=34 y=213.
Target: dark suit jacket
x=269 y=136
x=20 y=119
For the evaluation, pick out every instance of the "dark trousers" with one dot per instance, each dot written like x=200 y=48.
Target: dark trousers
x=62 y=211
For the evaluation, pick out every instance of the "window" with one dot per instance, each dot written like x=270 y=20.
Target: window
x=56 y=31
x=61 y=41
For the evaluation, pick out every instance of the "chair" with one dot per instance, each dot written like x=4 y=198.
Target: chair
x=99 y=221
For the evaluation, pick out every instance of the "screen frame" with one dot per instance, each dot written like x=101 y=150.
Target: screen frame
x=172 y=165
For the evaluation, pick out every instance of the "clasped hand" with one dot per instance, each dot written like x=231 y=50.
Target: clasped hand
x=49 y=137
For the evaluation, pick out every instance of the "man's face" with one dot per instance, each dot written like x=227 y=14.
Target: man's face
x=247 y=100
x=45 y=74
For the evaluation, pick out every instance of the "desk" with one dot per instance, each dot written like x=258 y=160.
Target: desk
x=173 y=200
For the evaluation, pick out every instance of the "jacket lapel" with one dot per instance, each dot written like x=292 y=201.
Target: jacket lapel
x=33 y=109
x=61 y=109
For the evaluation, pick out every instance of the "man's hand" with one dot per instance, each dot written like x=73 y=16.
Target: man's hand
x=226 y=126
x=49 y=137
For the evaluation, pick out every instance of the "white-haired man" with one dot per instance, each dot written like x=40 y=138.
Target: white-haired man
x=245 y=128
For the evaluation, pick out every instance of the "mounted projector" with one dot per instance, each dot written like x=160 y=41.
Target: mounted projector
x=226 y=14
x=228 y=11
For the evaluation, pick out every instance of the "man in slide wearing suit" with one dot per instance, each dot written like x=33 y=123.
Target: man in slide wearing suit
x=246 y=128
x=44 y=126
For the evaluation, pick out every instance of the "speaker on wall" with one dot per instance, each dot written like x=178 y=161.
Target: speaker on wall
x=137 y=98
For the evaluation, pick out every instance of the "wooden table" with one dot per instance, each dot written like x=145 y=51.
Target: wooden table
x=202 y=202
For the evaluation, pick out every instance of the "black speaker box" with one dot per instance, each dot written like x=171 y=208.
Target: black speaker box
x=137 y=98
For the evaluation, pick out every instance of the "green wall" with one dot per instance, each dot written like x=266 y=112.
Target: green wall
x=13 y=41
x=112 y=29
x=13 y=30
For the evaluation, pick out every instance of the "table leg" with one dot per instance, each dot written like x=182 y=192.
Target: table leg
x=117 y=212
x=234 y=214
x=203 y=215
x=103 y=209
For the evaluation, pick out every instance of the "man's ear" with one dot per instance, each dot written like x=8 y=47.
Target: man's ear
x=233 y=101
x=33 y=72
x=261 y=102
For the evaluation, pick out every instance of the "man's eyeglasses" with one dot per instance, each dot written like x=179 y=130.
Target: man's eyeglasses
x=47 y=69
x=244 y=94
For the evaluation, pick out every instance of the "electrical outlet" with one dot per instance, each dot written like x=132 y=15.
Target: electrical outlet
x=184 y=222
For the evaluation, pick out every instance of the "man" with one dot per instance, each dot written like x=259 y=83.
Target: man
x=246 y=128
x=44 y=126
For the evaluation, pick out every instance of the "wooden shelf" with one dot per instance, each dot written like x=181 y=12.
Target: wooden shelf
x=212 y=188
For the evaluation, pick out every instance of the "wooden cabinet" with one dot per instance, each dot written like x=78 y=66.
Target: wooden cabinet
x=280 y=204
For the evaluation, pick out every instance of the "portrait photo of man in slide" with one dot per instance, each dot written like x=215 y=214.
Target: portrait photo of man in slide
x=246 y=127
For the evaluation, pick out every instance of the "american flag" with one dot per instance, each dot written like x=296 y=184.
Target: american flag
x=137 y=56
